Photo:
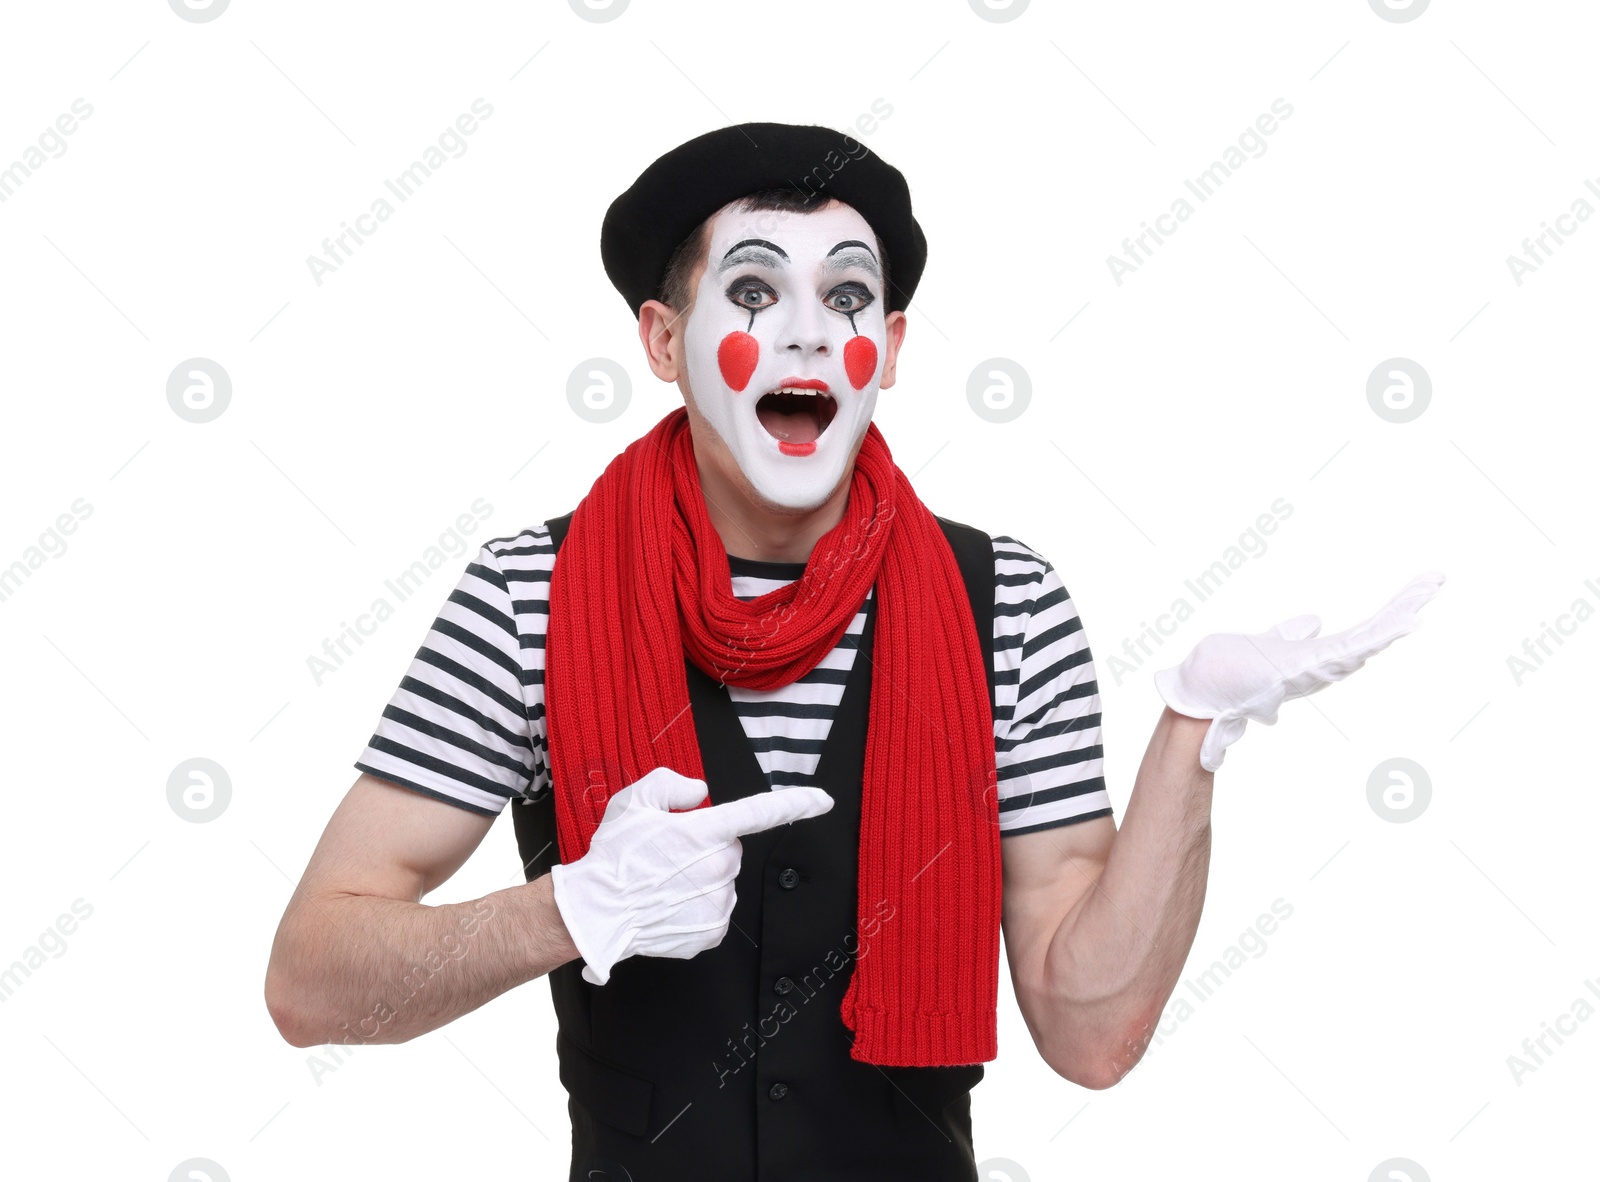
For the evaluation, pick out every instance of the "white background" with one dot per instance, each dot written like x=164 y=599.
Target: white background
x=370 y=411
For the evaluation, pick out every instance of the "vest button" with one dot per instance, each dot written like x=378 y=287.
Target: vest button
x=789 y=878
x=782 y=985
x=778 y=1091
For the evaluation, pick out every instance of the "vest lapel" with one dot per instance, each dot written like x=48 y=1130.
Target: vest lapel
x=731 y=767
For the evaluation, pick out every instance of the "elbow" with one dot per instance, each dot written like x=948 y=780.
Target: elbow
x=1097 y=1073
x=1103 y=1063
x=290 y=1032
x=283 y=1011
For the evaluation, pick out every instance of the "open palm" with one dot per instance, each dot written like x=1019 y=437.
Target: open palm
x=1234 y=677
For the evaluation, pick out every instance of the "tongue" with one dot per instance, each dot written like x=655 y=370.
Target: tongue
x=800 y=426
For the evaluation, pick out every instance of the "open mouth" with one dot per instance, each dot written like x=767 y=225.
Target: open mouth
x=796 y=416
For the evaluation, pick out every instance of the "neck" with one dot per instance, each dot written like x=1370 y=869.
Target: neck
x=752 y=530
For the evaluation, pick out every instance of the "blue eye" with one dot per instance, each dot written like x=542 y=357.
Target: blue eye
x=752 y=295
x=848 y=298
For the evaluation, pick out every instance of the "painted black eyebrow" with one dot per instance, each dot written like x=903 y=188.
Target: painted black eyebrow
x=749 y=249
x=851 y=242
x=870 y=263
x=759 y=242
x=752 y=250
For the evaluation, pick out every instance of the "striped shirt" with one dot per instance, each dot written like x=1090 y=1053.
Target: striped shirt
x=467 y=723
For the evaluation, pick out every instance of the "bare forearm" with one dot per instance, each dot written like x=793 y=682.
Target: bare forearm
x=363 y=969
x=1117 y=957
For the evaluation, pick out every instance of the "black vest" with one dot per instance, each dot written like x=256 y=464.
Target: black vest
x=734 y=1065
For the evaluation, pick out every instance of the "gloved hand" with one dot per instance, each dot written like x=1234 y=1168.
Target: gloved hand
x=1232 y=677
x=660 y=883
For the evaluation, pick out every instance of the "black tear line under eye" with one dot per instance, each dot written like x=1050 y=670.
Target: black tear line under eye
x=749 y=281
x=870 y=298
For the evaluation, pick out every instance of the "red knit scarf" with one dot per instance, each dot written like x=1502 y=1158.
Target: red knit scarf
x=642 y=577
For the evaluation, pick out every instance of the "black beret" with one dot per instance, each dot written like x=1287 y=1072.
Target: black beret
x=694 y=180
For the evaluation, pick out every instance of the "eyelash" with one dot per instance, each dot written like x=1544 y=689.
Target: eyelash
x=748 y=283
x=859 y=290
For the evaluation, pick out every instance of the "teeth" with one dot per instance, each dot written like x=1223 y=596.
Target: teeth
x=793 y=390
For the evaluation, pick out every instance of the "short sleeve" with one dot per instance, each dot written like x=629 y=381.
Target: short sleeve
x=1048 y=754
x=463 y=726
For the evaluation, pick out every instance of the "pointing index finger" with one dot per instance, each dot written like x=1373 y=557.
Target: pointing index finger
x=757 y=812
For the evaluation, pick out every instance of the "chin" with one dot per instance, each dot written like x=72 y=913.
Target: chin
x=791 y=485
x=792 y=503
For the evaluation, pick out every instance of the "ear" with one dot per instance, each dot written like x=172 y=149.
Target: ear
x=661 y=333
x=894 y=327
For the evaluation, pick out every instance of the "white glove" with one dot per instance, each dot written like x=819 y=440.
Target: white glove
x=1232 y=677
x=660 y=883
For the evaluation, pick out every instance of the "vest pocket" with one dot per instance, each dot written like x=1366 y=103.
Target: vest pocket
x=615 y=1095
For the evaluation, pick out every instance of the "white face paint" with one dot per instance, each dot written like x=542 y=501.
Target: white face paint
x=793 y=303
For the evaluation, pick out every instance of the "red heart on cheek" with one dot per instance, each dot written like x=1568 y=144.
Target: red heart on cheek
x=736 y=357
x=860 y=360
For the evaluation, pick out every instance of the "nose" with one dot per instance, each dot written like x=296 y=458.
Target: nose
x=805 y=331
